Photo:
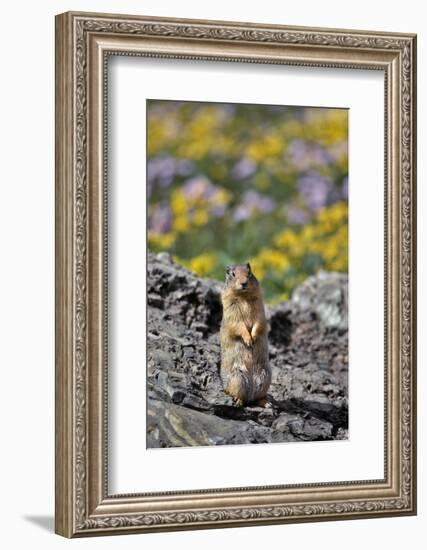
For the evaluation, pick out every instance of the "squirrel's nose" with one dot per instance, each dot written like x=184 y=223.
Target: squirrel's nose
x=244 y=284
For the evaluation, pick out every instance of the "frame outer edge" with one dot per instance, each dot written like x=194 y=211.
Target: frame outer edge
x=64 y=237
x=72 y=513
x=414 y=270
x=249 y=25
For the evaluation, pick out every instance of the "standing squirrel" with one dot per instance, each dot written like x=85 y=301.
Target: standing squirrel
x=245 y=371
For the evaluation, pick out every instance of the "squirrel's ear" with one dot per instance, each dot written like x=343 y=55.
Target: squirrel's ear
x=227 y=268
x=248 y=265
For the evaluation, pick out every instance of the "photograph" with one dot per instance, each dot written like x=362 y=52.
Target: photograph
x=247 y=273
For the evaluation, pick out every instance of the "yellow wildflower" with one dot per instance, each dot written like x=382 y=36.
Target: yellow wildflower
x=179 y=203
x=200 y=217
x=287 y=239
x=161 y=241
x=180 y=224
x=203 y=264
x=271 y=259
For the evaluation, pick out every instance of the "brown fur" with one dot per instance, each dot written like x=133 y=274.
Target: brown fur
x=245 y=370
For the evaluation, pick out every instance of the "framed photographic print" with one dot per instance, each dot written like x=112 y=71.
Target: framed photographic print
x=235 y=274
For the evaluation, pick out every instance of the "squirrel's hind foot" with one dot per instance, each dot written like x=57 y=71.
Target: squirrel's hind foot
x=264 y=402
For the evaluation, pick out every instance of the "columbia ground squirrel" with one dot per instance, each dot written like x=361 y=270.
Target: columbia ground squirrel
x=245 y=371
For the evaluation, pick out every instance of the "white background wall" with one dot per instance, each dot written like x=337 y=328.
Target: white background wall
x=27 y=273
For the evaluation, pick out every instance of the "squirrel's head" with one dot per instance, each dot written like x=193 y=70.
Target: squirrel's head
x=240 y=278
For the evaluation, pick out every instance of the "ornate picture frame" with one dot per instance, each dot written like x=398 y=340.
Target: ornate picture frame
x=84 y=42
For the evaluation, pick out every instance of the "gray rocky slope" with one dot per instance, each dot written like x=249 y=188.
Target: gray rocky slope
x=308 y=343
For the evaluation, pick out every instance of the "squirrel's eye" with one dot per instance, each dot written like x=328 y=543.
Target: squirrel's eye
x=233 y=274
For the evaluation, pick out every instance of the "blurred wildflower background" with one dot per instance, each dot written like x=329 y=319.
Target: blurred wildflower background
x=231 y=183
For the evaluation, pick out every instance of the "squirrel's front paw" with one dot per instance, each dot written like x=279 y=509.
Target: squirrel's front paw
x=256 y=332
x=247 y=339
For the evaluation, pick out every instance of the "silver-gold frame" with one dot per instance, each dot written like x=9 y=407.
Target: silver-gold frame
x=83 y=43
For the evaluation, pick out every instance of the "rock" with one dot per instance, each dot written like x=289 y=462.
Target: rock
x=308 y=355
x=326 y=295
x=185 y=299
x=171 y=425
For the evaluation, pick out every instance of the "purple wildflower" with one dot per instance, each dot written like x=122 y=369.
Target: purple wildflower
x=198 y=187
x=218 y=210
x=201 y=188
x=315 y=190
x=259 y=202
x=344 y=189
x=184 y=167
x=225 y=112
x=303 y=155
x=339 y=149
x=242 y=213
x=163 y=168
x=319 y=155
x=253 y=202
x=296 y=215
x=243 y=168
x=298 y=152
x=160 y=218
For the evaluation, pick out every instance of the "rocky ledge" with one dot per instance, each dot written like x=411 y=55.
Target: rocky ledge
x=308 y=343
